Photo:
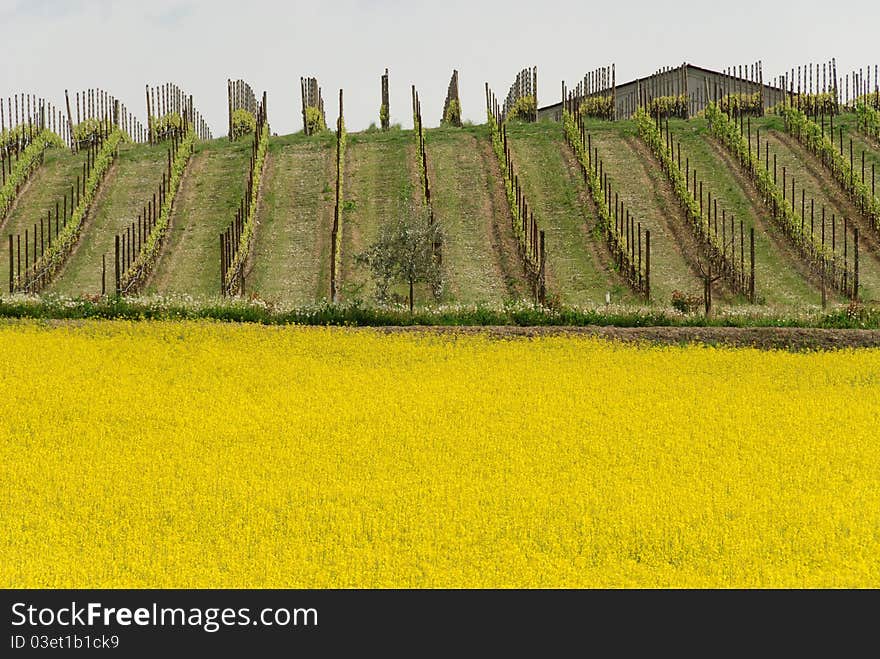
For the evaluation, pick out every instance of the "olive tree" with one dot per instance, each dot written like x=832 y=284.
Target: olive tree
x=406 y=252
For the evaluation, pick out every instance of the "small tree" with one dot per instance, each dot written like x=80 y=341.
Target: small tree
x=406 y=252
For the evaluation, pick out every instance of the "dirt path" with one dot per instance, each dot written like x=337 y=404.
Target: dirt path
x=765 y=338
x=291 y=249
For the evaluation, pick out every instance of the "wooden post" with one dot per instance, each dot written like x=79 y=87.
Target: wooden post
x=648 y=263
x=11 y=272
x=117 y=265
x=103 y=274
x=752 y=265
x=855 y=295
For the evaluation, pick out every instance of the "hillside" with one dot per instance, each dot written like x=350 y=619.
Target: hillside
x=47 y=187
x=129 y=185
x=209 y=195
x=480 y=261
x=290 y=258
x=810 y=176
x=578 y=266
x=781 y=278
x=643 y=188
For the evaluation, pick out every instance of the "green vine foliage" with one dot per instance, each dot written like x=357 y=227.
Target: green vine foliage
x=21 y=134
x=525 y=109
x=90 y=129
x=669 y=106
x=600 y=107
x=146 y=259
x=383 y=116
x=743 y=104
x=243 y=123
x=810 y=134
x=27 y=163
x=164 y=126
x=315 y=120
x=869 y=119
x=452 y=116
x=248 y=227
x=55 y=255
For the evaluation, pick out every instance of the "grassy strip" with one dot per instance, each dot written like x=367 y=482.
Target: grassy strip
x=233 y=274
x=650 y=133
x=53 y=258
x=810 y=134
x=618 y=244
x=519 y=314
x=26 y=165
x=146 y=259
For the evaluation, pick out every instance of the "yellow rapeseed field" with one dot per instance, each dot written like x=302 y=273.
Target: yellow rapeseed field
x=216 y=455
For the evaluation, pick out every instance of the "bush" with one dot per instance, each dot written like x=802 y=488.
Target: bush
x=685 y=302
x=243 y=123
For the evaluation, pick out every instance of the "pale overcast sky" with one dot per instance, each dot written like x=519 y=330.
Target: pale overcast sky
x=121 y=45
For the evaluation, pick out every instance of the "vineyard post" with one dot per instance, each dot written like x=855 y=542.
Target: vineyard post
x=69 y=121
x=117 y=265
x=229 y=104
x=103 y=274
x=752 y=265
x=648 y=263
x=856 y=263
x=11 y=272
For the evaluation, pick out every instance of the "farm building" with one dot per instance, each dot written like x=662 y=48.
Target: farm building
x=696 y=84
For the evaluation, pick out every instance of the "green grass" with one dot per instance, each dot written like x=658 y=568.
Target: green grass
x=577 y=261
x=212 y=188
x=644 y=190
x=381 y=178
x=132 y=181
x=48 y=186
x=819 y=184
x=480 y=261
x=778 y=279
x=291 y=249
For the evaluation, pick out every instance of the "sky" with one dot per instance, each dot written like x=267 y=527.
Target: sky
x=48 y=46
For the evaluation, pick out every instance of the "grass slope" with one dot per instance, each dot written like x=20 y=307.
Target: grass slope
x=576 y=258
x=644 y=190
x=132 y=182
x=290 y=260
x=810 y=175
x=480 y=260
x=780 y=279
x=212 y=187
x=52 y=180
x=381 y=179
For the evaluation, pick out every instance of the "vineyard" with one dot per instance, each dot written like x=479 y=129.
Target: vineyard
x=691 y=190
